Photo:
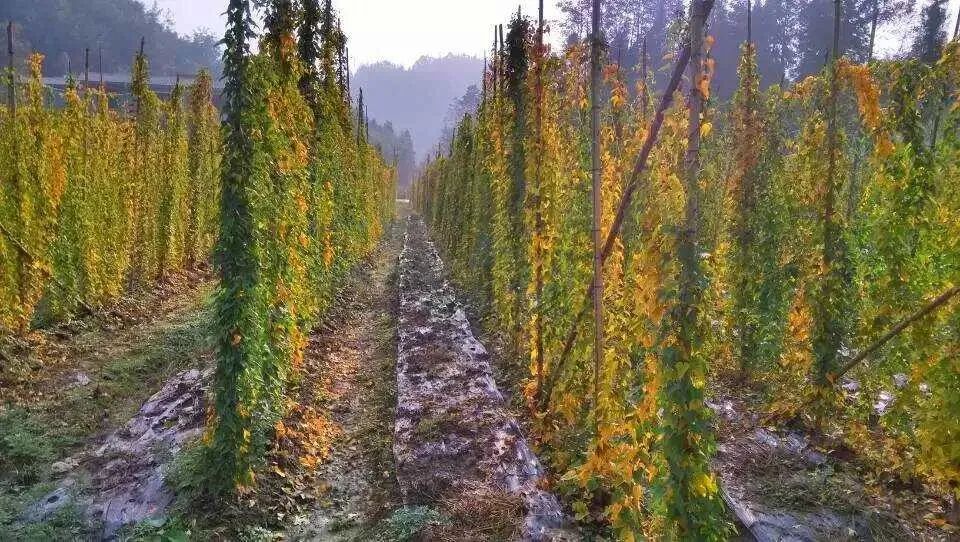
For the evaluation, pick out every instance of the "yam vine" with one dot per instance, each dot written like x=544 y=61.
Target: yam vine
x=771 y=239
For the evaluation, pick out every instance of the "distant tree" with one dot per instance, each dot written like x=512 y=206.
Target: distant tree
x=60 y=29
x=395 y=148
x=931 y=35
x=419 y=96
x=815 y=28
x=458 y=108
x=792 y=37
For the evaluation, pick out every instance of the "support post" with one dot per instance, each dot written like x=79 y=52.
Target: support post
x=12 y=87
x=595 y=175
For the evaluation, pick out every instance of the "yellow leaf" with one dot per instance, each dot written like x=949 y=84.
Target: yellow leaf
x=704 y=87
x=705 y=485
x=705 y=129
x=615 y=511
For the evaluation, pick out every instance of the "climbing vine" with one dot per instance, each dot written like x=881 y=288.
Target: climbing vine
x=786 y=291
x=302 y=200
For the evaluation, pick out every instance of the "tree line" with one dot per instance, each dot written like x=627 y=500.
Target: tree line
x=793 y=37
x=63 y=31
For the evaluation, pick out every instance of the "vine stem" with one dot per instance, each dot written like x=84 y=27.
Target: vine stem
x=867 y=352
x=639 y=167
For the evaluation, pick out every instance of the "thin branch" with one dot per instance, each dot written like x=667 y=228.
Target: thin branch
x=941 y=300
x=834 y=378
x=615 y=228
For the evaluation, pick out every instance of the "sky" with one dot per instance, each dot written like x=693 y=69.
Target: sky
x=403 y=31
x=393 y=30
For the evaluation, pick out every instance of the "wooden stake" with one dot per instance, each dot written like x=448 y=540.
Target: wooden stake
x=538 y=211
x=597 y=201
x=639 y=167
x=12 y=87
x=359 y=116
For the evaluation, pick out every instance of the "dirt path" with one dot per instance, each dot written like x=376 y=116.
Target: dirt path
x=355 y=352
x=455 y=442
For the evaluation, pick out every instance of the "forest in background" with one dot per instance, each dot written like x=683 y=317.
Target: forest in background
x=417 y=98
x=63 y=30
x=793 y=36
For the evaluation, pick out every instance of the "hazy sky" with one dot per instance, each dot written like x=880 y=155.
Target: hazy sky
x=402 y=31
x=394 y=30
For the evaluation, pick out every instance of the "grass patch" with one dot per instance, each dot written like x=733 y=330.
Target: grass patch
x=67 y=523
x=26 y=447
x=406 y=524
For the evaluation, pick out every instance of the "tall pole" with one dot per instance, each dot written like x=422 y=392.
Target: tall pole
x=538 y=214
x=100 y=65
x=645 y=97
x=595 y=163
x=12 y=87
x=359 y=116
x=956 y=27
x=873 y=27
x=86 y=70
x=494 y=66
x=749 y=22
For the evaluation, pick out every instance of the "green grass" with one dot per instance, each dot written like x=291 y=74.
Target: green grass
x=406 y=523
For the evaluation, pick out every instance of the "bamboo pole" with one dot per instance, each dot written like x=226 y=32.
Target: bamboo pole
x=538 y=211
x=639 y=167
x=597 y=200
x=869 y=351
x=12 y=87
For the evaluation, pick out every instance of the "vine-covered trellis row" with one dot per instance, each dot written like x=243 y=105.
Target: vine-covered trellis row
x=94 y=201
x=305 y=196
x=792 y=288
